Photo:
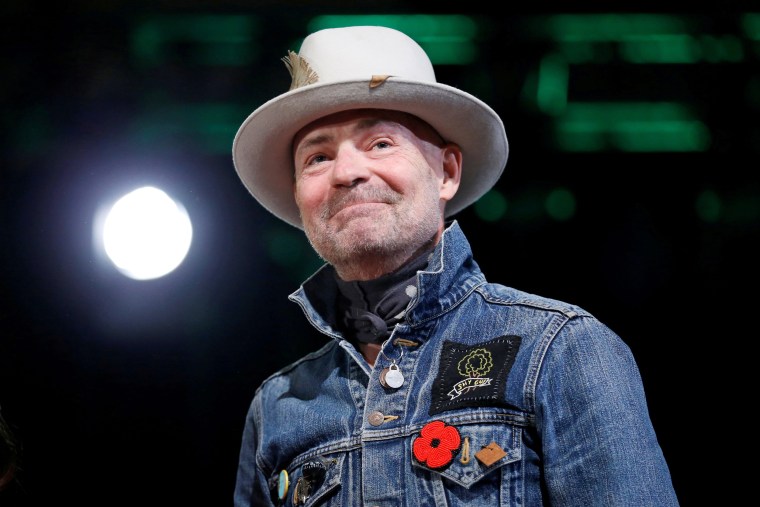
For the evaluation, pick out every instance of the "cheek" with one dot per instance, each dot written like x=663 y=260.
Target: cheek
x=418 y=176
x=405 y=172
x=308 y=196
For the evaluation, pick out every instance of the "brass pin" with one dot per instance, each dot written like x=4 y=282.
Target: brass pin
x=465 y=451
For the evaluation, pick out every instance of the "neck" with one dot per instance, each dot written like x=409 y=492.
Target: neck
x=368 y=268
x=370 y=352
x=372 y=266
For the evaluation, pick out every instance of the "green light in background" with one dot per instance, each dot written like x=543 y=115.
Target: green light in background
x=560 y=204
x=632 y=126
x=414 y=25
x=204 y=39
x=708 y=206
x=447 y=39
x=661 y=136
x=640 y=38
x=727 y=48
x=610 y=27
x=657 y=49
x=742 y=209
x=551 y=95
x=580 y=137
x=578 y=51
x=210 y=125
x=661 y=48
x=491 y=207
x=449 y=51
x=751 y=24
x=215 y=123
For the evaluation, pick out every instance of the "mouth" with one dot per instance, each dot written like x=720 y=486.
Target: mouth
x=359 y=202
x=356 y=208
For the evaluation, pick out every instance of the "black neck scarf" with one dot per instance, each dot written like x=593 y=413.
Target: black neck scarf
x=371 y=308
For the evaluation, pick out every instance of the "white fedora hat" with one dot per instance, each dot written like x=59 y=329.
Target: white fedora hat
x=358 y=67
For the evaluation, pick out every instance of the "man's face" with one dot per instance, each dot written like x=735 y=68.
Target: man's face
x=371 y=187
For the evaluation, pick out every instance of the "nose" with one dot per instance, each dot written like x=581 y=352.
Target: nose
x=349 y=167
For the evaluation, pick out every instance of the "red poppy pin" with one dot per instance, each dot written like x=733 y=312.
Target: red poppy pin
x=436 y=445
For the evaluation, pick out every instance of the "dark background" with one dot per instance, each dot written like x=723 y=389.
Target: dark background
x=135 y=393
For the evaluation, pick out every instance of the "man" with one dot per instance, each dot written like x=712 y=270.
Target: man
x=435 y=386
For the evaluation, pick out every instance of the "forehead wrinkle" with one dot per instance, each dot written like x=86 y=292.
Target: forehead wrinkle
x=311 y=140
x=366 y=123
x=314 y=140
x=362 y=124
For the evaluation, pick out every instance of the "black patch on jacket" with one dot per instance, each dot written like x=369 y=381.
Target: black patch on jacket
x=473 y=376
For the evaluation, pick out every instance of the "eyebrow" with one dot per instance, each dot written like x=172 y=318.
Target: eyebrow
x=363 y=124
x=308 y=142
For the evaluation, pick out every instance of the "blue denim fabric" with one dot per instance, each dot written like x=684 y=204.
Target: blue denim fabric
x=564 y=407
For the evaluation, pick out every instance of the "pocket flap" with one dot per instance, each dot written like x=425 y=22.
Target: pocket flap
x=483 y=447
x=314 y=479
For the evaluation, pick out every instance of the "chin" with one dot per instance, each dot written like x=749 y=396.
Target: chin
x=363 y=243
x=366 y=227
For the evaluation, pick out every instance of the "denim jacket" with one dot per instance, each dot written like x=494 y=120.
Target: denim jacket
x=507 y=399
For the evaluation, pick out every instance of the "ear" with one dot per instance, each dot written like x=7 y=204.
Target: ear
x=452 y=171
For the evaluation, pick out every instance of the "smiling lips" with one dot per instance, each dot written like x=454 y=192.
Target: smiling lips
x=366 y=196
x=349 y=205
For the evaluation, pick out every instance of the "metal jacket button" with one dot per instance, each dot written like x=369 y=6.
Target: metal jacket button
x=376 y=418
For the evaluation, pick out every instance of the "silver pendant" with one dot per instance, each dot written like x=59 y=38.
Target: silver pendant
x=392 y=376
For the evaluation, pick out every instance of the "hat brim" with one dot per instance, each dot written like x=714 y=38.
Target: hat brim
x=262 y=148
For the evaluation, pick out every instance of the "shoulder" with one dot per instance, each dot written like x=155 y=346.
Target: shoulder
x=307 y=365
x=503 y=295
x=549 y=321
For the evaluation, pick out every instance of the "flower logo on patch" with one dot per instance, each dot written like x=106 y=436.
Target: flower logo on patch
x=436 y=445
x=474 y=367
x=476 y=364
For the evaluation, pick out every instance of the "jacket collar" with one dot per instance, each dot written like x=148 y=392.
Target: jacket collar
x=451 y=274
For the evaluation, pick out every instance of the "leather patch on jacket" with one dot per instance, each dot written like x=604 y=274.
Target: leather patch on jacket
x=473 y=376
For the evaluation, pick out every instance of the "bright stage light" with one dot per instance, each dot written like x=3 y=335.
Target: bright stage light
x=146 y=234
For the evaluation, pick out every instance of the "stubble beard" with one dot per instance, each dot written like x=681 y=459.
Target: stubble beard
x=385 y=239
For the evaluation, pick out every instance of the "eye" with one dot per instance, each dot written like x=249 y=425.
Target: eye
x=316 y=159
x=381 y=145
x=312 y=164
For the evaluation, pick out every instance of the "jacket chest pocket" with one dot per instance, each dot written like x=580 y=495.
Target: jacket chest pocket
x=476 y=459
x=310 y=483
